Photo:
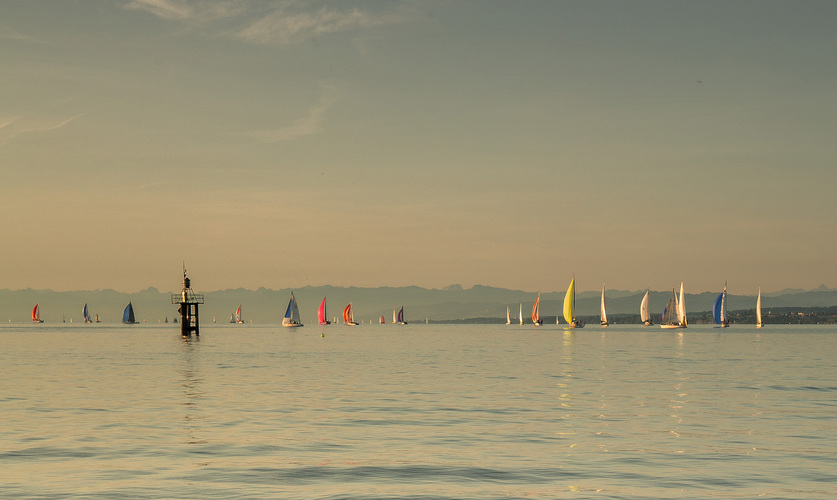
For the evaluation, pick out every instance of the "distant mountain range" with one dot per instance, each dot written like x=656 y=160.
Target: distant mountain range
x=265 y=306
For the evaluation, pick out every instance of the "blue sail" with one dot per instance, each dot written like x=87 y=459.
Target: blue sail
x=85 y=314
x=288 y=310
x=128 y=314
x=716 y=309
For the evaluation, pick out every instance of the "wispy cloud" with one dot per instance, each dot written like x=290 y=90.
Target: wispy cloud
x=165 y=9
x=184 y=10
x=310 y=124
x=7 y=33
x=291 y=22
x=285 y=26
x=5 y=121
x=16 y=126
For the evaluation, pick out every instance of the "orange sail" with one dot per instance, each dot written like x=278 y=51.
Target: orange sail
x=36 y=314
x=348 y=315
x=536 y=311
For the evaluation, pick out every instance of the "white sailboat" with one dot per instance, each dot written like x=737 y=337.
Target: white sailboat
x=292 y=318
x=674 y=315
x=508 y=315
x=645 y=310
x=719 y=310
x=569 y=307
x=521 y=313
x=759 y=322
x=670 y=313
x=604 y=311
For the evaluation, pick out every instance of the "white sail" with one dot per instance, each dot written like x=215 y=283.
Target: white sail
x=508 y=315
x=604 y=311
x=671 y=313
x=521 y=313
x=681 y=307
x=292 y=317
x=644 y=309
x=759 y=322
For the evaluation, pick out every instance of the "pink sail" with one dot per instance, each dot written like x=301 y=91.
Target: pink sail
x=321 y=314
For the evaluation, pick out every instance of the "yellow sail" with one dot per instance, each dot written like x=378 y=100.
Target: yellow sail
x=569 y=302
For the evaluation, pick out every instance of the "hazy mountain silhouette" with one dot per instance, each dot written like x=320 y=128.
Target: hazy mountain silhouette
x=266 y=306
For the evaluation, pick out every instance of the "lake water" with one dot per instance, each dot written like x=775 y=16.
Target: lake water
x=418 y=411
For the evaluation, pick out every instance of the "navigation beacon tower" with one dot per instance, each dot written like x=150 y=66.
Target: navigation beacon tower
x=188 y=301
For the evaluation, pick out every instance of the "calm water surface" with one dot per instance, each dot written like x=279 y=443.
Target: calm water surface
x=432 y=411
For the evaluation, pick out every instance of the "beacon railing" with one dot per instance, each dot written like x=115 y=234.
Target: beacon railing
x=187 y=298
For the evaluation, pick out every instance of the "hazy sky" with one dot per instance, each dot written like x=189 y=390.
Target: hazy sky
x=367 y=143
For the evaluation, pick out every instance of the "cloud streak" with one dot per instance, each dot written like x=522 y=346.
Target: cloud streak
x=310 y=124
x=185 y=11
x=283 y=26
x=9 y=131
x=287 y=24
x=171 y=10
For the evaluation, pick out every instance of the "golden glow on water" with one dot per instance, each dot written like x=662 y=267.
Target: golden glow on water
x=443 y=411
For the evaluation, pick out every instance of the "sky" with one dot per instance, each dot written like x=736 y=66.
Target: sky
x=281 y=144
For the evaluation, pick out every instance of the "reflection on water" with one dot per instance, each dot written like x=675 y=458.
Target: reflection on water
x=472 y=411
x=566 y=373
x=192 y=389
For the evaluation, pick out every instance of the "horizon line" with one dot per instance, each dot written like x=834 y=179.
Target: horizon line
x=821 y=287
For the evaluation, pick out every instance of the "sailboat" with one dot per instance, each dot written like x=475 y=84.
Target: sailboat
x=508 y=315
x=85 y=314
x=321 y=314
x=536 y=311
x=128 y=315
x=349 y=316
x=291 y=318
x=669 y=319
x=759 y=322
x=604 y=312
x=36 y=314
x=383 y=320
x=719 y=310
x=674 y=315
x=645 y=310
x=236 y=318
x=97 y=318
x=399 y=317
x=569 y=307
x=521 y=313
